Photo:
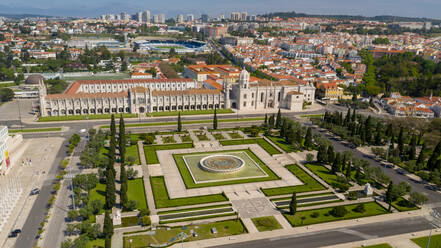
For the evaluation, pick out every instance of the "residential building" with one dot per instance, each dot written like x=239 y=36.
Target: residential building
x=146 y=16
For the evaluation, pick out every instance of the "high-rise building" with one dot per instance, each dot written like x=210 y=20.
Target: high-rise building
x=243 y=16
x=161 y=18
x=222 y=17
x=103 y=17
x=180 y=18
x=111 y=17
x=235 y=16
x=139 y=17
x=190 y=18
x=204 y=17
x=146 y=16
x=155 y=18
x=118 y=17
x=125 y=16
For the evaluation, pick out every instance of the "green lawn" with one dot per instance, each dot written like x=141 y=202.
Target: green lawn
x=309 y=183
x=186 y=138
x=97 y=243
x=83 y=117
x=188 y=179
x=150 y=150
x=134 y=152
x=435 y=241
x=129 y=221
x=202 y=137
x=403 y=205
x=99 y=192
x=194 y=209
x=260 y=141
x=136 y=192
x=191 y=112
x=218 y=136
x=372 y=208
x=235 y=135
x=162 y=199
x=162 y=236
x=168 y=139
x=35 y=130
x=323 y=172
x=268 y=223
x=280 y=142
x=173 y=123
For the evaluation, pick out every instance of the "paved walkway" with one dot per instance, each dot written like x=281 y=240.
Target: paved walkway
x=146 y=177
x=249 y=225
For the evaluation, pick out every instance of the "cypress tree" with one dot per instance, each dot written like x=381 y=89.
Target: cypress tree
x=122 y=140
x=107 y=242
x=279 y=119
x=110 y=189
x=378 y=134
x=179 y=122
x=432 y=162
x=271 y=121
x=347 y=118
x=412 y=151
x=124 y=186
x=388 y=197
x=353 y=116
x=343 y=163
x=331 y=155
x=401 y=141
x=389 y=130
x=367 y=129
x=420 y=160
x=215 y=120
x=348 y=170
x=293 y=204
x=336 y=164
x=266 y=119
x=284 y=129
x=308 y=138
x=112 y=125
x=321 y=154
x=108 y=225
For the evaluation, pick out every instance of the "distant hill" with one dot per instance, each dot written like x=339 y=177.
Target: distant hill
x=22 y=16
x=383 y=18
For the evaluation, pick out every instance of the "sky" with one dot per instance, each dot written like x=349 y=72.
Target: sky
x=93 y=8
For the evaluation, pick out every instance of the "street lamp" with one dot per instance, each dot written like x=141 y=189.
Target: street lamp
x=435 y=223
x=130 y=241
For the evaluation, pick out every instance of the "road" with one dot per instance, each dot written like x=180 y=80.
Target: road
x=341 y=235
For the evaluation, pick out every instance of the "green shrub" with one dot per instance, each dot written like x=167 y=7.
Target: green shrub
x=145 y=221
x=360 y=208
x=144 y=212
x=315 y=215
x=339 y=211
x=353 y=195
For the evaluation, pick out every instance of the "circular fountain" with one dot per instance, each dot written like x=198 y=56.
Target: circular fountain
x=222 y=163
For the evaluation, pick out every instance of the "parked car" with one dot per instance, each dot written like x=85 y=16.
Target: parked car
x=14 y=233
x=35 y=191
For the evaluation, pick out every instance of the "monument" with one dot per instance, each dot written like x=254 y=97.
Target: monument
x=368 y=189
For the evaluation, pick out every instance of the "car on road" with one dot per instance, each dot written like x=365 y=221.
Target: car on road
x=432 y=187
x=401 y=171
x=14 y=233
x=35 y=191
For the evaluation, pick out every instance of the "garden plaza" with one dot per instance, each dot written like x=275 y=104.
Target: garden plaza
x=185 y=177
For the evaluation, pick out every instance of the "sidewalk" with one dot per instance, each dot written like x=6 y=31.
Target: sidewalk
x=146 y=177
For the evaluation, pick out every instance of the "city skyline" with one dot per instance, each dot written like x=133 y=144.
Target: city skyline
x=81 y=8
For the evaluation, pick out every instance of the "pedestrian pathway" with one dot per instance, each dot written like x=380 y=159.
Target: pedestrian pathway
x=210 y=136
x=225 y=134
x=146 y=177
x=177 y=137
x=249 y=225
x=282 y=221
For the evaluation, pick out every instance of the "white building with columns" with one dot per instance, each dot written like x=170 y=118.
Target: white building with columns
x=142 y=96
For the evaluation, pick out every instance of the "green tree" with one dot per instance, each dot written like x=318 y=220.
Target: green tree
x=336 y=166
x=110 y=189
x=322 y=154
x=266 y=119
x=401 y=141
x=389 y=195
x=179 y=122
x=284 y=129
x=308 y=138
x=107 y=242
x=349 y=170
x=124 y=186
x=279 y=119
x=331 y=155
x=293 y=204
x=6 y=94
x=412 y=150
x=417 y=199
x=122 y=140
x=434 y=159
x=421 y=158
x=215 y=120
x=271 y=121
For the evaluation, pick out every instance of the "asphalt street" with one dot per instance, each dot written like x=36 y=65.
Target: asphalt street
x=341 y=235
